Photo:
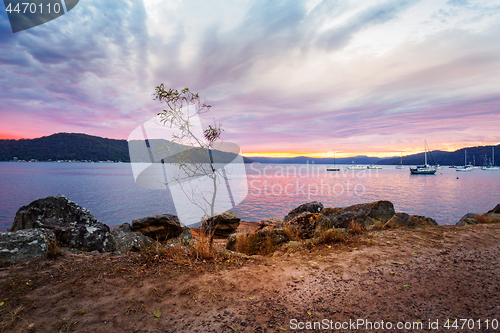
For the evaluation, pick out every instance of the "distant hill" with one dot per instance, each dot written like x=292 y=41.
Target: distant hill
x=76 y=146
x=481 y=155
x=65 y=146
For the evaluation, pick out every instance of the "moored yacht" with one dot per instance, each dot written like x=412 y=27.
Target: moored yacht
x=425 y=169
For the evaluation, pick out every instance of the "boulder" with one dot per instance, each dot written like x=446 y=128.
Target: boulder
x=72 y=224
x=293 y=245
x=224 y=223
x=401 y=220
x=467 y=219
x=311 y=207
x=365 y=214
x=127 y=240
x=495 y=210
x=271 y=222
x=305 y=224
x=231 y=240
x=493 y=217
x=277 y=235
x=159 y=227
x=421 y=221
x=184 y=239
x=256 y=241
x=24 y=244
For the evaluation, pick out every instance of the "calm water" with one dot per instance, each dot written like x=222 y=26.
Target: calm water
x=109 y=191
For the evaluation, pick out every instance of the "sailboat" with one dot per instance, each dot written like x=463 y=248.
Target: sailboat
x=466 y=167
x=400 y=165
x=334 y=165
x=492 y=166
x=425 y=169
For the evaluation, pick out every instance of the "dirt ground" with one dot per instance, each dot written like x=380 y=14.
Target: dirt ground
x=402 y=277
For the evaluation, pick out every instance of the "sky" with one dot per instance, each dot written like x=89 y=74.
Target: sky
x=285 y=78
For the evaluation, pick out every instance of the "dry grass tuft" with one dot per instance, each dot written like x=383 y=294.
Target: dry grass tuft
x=330 y=236
x=483 y=219
x=13 y=316
x=201 y=249
x=212 y=295
x=247 y=243
x=355 y=228
x=53 y=250
x=253 y=243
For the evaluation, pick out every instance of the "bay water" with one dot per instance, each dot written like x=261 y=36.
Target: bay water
x=108 y=190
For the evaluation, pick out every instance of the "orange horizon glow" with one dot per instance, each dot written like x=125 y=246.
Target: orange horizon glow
x=6 y=136
x=381 y=152
x=392 y=153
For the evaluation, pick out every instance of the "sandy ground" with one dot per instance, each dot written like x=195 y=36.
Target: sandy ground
x=403 y=277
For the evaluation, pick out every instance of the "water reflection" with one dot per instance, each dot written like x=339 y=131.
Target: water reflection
x=109 y=191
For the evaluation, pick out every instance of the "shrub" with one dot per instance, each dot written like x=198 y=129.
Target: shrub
x=330 y=236
x=355 y=228
x=256 y=243
x=482 y=219
x=201 y=248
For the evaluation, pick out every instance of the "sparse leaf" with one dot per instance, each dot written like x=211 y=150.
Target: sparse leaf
x=406 y=285
x=157 y=313
x=309 y=313
x=2 y=303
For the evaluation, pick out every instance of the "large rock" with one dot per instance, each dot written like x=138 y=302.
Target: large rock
x=305 y=224
x=231 y=239
x=184 y=239
x=495 y=210
x=271 y=222
x=24 y=244
x=72 y=224
x=365 y=214
x=159 y=227
x=311 y=207
x=258 y=241
x=127 y=240
x=467 y=219
x=224 y=223
x=401 y=220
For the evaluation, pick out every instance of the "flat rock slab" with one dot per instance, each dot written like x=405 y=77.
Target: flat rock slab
x=365 y=214
x=225 y=223
x=159 y=227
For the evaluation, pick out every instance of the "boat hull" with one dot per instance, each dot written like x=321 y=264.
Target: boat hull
x=422 y=172
x=357 y=167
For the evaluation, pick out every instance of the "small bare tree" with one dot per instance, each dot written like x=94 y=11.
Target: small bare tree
x=193 y=151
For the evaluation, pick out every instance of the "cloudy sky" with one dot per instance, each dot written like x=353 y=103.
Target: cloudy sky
x=285 y=77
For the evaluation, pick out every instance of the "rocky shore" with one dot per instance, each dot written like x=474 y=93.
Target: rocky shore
x=62 y=270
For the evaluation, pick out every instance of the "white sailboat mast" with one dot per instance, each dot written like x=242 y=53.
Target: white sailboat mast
x=425 y=152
